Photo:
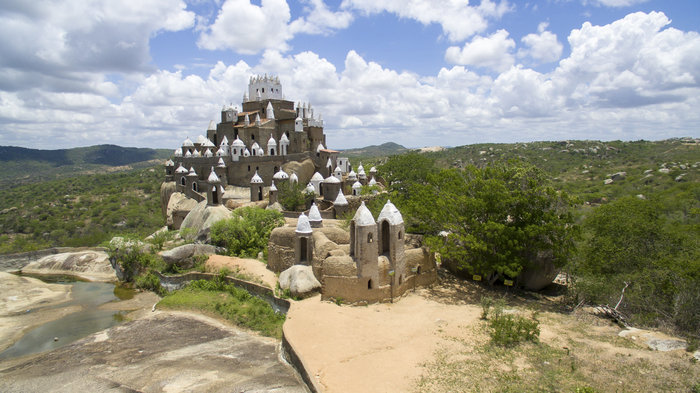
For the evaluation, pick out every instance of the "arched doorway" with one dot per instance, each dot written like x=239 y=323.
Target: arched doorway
x=260 y=195
x=303 y=249
x=214 y=196
x=386 y=239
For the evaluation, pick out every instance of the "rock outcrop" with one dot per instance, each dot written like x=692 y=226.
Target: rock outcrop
x=304 y=169
x=202 y=217
x=92 y=265
x=300 y=281
x=166 y=190
x=184 y=257
x=179 y=206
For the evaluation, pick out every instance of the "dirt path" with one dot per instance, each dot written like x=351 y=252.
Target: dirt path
x=249 y=267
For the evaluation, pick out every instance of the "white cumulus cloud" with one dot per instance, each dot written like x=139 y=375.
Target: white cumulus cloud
x=494 y=51
x=543 y=47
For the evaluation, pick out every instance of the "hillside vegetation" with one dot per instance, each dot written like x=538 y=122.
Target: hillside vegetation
x=81 y=210
x=23 y=166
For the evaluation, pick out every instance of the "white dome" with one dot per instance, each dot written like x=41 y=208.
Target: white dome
x=372 y=182
x=340 y=199
x=177 y=152
x=272 y=186
x=221 y=152
x=303 y=225
x=246 y=153
x=201 y=139
x=337 y=169
x=237 y=143
x=284 y=138
x=212 y=126
x=208 y=153
x=356 y=185
x=331 y=179
x=192 y=172
x=373 y=170
x=256 y=179
x=208 y=143
x=280 y=175
x=352 y=175
x=261 y=152
x=314 y=214
x=360 y=168
x=187 y=142
x=363 y=217
x=390 y=213
x=317 y=177
x=221 y=163
x=255 y=146
x=213 y=178
x=271 y=142
x=181 y=169
x=188 y=154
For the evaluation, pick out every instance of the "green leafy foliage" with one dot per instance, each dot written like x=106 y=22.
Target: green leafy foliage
x=247 y=233
x=652 y=245
x=498 y=219
x=80 y=211
x=293 y=196
x=232 y=303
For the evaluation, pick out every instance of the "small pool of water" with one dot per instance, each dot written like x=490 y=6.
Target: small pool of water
x=74 y=326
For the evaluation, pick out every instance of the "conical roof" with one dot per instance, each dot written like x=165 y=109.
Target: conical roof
x=340 y=199
x=221 y=163
x=284 y=138
x=280 y=175
x=372 y=182
x=390 y=213
x=178 y=152
x=363 y=217
x=256 y=179
x=224 y=141
x=213 y=178
x=271 y=141
x=181 y=169
x=314 y=213
x=212 y=126
x=317 y=177
x=192 y=172
x=273 y=187
x=357 y=184
x=303 y=225
x=169 y=163
x=331 y=179
x=238 y=143
x=187 y=142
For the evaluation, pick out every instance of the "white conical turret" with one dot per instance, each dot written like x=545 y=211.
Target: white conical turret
x=224 y=141
x=363 y=217
x=221 y=163
x=340 y=200
x=256 y=179
x=246 y=120
x=303 y=225
x=257 y=119
x=269 y=112
x=390 y=213
x=213 y=178
x=212 y=126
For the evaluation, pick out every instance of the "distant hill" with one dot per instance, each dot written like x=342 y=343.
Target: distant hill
x=22 y=165
x=383 y=150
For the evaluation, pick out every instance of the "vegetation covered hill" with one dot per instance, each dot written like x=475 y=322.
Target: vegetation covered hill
x=374 y=151
x=23 y=166
x=82 y=210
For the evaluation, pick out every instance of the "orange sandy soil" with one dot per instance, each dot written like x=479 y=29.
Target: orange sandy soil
x=432 y=340
x=249 y=267
x=375 y=348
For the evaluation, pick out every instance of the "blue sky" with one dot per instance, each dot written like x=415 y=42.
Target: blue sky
x=415 y=72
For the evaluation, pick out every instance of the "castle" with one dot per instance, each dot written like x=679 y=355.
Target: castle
x=248 y=148
x=273 y=140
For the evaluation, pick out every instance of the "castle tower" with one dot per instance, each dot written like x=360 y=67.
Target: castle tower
x=265 y=88
x=221 y=171
x=330 y=188
x=338 y=173
x=272 y=194
x=272 y=147
x=281 y=176
x=237 y=148
x=256 y=188
x=284 y=145
x=356 y=188
x=191 y=184
x=180 y=178
x=214 y=194
x=303 y=251
x=340 y=205
x=363 y=246
x=315 y=216
x=269 y=111
x=228 y=115
x=299 y=125
x=169 y=170
x=316 y=180
x=390 y=227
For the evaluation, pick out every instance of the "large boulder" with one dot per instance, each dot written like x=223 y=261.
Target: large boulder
x=179 y=206
x=304 y=169
x=166 y=190
x=340 y=266
x=203 y=216
x=92 y=265
x=336 y=235
x=540 y=273
x=300 y=281
x=184 y=257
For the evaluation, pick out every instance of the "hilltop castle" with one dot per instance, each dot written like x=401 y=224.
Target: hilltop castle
x=249 y=147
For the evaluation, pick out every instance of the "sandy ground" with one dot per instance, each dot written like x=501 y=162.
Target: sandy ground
x=163 y=352
x=377 y=348
x=249 y=267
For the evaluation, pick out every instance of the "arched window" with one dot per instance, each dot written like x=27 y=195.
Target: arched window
x=182 y=180
x=400 y=235
x=248 y=168
x=370 y=237
x=194 y=187
x=272 y=151
x=369 y=284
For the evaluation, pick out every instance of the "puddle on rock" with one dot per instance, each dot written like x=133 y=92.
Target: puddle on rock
x=74 y=326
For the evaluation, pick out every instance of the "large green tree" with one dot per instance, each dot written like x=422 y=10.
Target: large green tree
x=493 y=221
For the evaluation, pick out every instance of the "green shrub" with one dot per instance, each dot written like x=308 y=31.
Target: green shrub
x=247 y=233
x=508 y=330
x=293 y=196
x=149 y=281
